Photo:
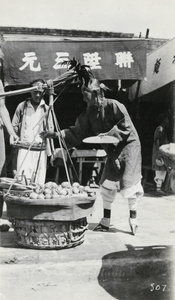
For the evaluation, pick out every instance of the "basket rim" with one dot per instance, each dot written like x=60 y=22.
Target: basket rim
x=60 y=201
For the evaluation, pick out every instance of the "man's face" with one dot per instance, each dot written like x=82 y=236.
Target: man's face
x=87 y=95
x=38 y=94
x=90 y=92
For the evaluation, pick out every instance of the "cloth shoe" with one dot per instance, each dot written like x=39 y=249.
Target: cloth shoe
x=133 y=225
x=160 y=193
x=100 y=228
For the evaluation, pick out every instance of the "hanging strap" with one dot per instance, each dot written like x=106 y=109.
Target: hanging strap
x=22 y=111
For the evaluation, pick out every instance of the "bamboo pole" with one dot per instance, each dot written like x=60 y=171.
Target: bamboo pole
x=18 y=92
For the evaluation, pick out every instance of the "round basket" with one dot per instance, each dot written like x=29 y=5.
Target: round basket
x=168 y=153
x=49 y=223
x=49 y=234
x=58 y=209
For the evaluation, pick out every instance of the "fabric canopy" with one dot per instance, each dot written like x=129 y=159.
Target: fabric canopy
x=109 y=59
x=160 y=70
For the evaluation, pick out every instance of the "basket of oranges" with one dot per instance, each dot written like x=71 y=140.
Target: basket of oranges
x=51 y=216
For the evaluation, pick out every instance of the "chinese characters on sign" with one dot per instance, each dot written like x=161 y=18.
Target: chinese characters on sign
x=123 y=60
x=29 y=59
x=120 y=59
x=92 y=60
x=61 y=57
x=157 y=66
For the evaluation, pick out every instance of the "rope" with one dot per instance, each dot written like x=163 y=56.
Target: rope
x=61 y=146
x=35 y=173
x=59 y=131
x=8 y=191
x=51 y=101
x=65 y=147
x=61 y=140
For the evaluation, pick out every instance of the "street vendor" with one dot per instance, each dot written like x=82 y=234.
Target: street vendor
x=5 y=121
x=109 y=117
x=30 y=118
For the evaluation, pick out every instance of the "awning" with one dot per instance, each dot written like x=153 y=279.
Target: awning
x=109 y=59
x=160 y=70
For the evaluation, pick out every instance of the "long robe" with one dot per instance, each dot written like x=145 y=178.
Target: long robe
x=124 y=159
x=26 y=124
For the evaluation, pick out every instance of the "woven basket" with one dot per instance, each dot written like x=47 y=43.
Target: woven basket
x=49 y=234
x=49 y=223
x=58 y=209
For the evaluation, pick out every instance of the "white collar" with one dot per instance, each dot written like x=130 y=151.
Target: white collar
x=42 y=102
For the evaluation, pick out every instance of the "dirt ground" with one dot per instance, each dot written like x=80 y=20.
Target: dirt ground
x=112 y=265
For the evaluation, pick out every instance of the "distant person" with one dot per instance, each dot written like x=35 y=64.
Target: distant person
x=5 y=121
x=109 y=117
x=29 y=120
x=161 y=137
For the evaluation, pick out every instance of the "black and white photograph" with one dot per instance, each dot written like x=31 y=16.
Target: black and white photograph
x=87 y=150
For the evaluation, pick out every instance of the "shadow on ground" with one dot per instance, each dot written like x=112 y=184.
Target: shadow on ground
x=111 y=229
x=140 y=273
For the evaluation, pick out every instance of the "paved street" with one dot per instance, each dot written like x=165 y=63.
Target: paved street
x=112 y=265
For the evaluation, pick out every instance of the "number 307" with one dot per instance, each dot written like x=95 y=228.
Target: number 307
x=157 y=287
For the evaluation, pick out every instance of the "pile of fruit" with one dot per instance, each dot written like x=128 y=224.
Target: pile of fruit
x=51 y=190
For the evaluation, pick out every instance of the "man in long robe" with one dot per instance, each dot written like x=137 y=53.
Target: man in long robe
x=109 y=117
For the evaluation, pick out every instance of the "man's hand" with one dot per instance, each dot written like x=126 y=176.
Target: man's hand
x=59 y=156
x=102 y=134
x=48 y=134
x=14 y=139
